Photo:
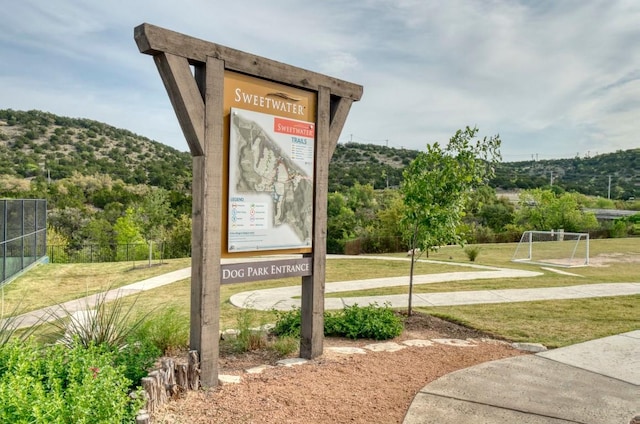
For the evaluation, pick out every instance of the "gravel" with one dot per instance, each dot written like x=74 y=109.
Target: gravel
x=337 y=388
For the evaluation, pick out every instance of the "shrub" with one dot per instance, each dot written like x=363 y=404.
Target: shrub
x=472 y=252
x=248 y=337
x=57 y=384
x=166 y=328
x=482 y=234
x=287 y=323
x=284 y=345
x=618 y=229
x=136 y=358
x=368 y=322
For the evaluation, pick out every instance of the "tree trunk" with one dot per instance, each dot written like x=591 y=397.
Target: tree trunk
x=413 y=254
x=413 y=260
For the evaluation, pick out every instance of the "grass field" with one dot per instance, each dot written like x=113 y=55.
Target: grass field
x=554 y=323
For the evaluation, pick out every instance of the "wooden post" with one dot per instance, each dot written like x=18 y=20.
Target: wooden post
x=312 y=302
x=332 y=114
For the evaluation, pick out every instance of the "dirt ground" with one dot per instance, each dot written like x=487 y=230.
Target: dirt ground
x=376 y=387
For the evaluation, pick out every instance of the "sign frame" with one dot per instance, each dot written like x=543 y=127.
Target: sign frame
x=250 y=94
x=197 y=98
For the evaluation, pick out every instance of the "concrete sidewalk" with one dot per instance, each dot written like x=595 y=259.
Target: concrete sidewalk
x=285 y=298
x=596 y=382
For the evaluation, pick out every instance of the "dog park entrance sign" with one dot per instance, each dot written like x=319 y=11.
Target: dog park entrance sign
x=261 y=134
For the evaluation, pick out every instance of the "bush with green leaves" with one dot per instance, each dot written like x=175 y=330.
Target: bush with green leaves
x=364 y=322
x=60 y=384
x=136 y=359
x=355 y=322
x=287 y=323
x=284 y=345
x=472 y=252
x=248 y=337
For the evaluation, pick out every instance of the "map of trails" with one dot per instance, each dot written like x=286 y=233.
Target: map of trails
x=270 y=182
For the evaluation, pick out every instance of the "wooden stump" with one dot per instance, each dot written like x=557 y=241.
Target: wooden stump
x=169 y=381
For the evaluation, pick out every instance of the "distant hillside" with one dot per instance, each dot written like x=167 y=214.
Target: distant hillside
x=615 y=174
x=372 y=164
x=379 y=166
x=40 y=144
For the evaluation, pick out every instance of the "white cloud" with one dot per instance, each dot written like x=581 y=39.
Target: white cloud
x=554 y=78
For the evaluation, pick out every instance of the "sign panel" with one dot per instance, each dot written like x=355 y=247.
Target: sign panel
x=270 y=182
x=271 y=155
x=265 y=270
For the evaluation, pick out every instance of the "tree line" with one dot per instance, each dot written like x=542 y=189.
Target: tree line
x=143 y=195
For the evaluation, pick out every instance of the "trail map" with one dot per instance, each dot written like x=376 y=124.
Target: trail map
x=270 y=182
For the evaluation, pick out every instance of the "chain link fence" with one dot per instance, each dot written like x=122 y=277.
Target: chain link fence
x=23 y=235
x=90 y=253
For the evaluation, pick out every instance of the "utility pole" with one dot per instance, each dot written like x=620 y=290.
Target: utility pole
x=551 y=181
x=609 y=189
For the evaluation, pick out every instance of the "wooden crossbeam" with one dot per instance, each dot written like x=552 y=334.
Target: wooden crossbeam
x=153 y=40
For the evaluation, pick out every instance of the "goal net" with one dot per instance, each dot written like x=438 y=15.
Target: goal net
x=555 y=248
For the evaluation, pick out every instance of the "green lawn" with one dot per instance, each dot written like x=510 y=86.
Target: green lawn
x=555 y=323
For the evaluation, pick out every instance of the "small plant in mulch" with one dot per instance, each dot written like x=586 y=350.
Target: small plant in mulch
x=252 y=335
x=472 y=252
x=355 y=322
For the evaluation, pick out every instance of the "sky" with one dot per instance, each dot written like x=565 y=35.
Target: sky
x=554 y=78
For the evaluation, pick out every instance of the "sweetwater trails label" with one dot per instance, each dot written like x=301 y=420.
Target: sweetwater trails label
x=267 y=270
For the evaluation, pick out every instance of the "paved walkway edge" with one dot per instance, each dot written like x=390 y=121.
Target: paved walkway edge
x=582 y=383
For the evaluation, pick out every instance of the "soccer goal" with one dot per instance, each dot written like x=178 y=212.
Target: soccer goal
x=555 y=248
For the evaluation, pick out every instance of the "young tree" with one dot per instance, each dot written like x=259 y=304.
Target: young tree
x=127 y=232
x=435 y=187
x=152 y=216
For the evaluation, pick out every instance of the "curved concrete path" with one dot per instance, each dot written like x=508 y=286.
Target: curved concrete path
x=596 y=382
x=285 y=298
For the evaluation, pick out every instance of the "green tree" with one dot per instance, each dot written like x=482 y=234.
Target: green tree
x=99 y=232
x=544 y=210
x=389 y=215
x=179 y=238
x=153 y=215
x=436 y=186
x=497 y=215
x=126 y=231
x=340 y=222
x=361 y=199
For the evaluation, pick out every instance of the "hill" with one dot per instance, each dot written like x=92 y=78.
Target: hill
x=41 y=144
x=615 y=174
x=379 y=166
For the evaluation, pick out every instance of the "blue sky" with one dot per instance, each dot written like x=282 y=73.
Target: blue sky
x=553 y=78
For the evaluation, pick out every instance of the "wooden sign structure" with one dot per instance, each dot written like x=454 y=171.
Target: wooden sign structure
x=198 y=98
